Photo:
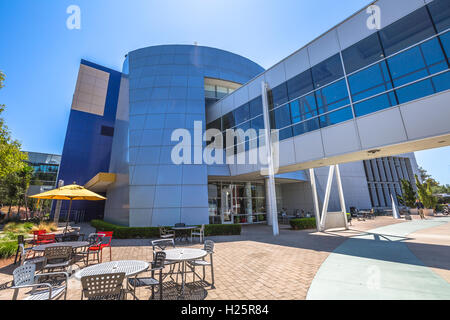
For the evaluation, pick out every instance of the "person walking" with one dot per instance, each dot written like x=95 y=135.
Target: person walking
x=420 y=207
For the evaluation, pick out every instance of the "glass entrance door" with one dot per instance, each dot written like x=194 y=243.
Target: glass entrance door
x=227 y=206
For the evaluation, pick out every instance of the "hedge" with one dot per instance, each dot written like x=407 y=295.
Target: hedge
x=302 y=224
x=8 y=249
x=153 y=232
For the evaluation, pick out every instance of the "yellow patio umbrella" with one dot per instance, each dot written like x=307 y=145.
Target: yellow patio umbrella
x=70 y=192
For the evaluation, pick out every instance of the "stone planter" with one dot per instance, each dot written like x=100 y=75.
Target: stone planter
x=428 y=212
x=414 y=211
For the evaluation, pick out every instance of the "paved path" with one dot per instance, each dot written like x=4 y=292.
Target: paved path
x=379 y=265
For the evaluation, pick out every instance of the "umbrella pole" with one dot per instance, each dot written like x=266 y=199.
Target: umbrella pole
x=68 y=215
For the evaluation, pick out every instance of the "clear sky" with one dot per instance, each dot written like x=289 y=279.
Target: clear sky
x=40 y=56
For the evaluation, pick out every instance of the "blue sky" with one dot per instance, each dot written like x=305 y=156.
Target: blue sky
x=40 y=56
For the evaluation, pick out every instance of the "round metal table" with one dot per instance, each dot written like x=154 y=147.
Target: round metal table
x=74 y=245
x=184 y=230
x=182 y=256
x=129 y=267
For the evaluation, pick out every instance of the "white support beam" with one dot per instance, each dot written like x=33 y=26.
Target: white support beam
x=326 y=200
x=271 y=179
x=341 y=195
x=312 y=175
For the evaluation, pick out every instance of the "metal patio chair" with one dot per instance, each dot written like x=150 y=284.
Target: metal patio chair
x=209 y=248
x=58 y=257
x=199 y=232
x=103 y=287
x=94 y=240
x=158 y=264
x=39 y=261
x=165 y=233
x=25 y=277
x=161 y=245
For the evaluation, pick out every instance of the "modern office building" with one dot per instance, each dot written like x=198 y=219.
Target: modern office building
x=45 y=171
x=361 y=96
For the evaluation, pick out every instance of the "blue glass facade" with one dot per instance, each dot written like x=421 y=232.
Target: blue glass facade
x=402 y=62
x=87 y=147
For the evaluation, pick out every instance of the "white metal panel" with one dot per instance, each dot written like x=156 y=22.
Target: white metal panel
x=427 y=117
x=254 y=87
x=228 y=104
x=241 y=96
x=340 y=139
x=392 y=11
x=287 y=152
x=354 y=30
x=297 y=63
x=308 y=147
x=276 y=75
x=323 y=48
x=381 y=128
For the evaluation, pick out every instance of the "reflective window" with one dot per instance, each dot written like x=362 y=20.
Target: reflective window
x=442 y=82
x=336 y=117
x=304 y=108
x=281 y=117
x=256 y=107
x=216 y=124
x=370 y=81
x=375 y=104
x=415 y=91
x=417 y=62
x=445 y=39
x=440 y=12
x=285 y=133
x=407 y=31
x=332 y=97
x=242 y=114
x=327 y=71
x=306 y=126
x=363 y=53
x=228 y=121
x=257 y=123
x=278 y=96
x=300 y=85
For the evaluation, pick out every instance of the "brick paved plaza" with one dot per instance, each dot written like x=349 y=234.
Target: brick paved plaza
x=257 y=265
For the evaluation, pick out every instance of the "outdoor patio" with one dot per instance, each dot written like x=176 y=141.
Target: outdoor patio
x=256 y=265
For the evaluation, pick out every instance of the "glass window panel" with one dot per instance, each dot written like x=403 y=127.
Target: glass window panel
x=332 y=97
x=407 y=31
x=228 y=121
x=258 y=123
x=336 y=117
x=445 y=39
x=440 y=12
x=216 y=124
x=304 y=108
x=370 y=81
x=306 y=126
x=281 y=117
x=278 y=96
x=327 y=71
x=256 y=108
x=442 y=82
x=417 y=62
x=363 y=53
x=415 y=91
x=375 y=104
x=242 y=113
x=300 y=85
x=285 y=133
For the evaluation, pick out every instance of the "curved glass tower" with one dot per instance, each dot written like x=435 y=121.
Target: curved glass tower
x=166 y=88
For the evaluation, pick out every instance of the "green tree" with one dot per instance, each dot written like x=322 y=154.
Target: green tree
x=427 y=178
x=409 y=195
x=11 y=158
x=426 y=194
x=25 y=175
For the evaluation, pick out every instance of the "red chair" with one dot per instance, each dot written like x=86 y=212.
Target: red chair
x=37 y=233
x=45 y=238
x=107 y=237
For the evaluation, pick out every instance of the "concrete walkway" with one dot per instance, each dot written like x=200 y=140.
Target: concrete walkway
x=378 y=265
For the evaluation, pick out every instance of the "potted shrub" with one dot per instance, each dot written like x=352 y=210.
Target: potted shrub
x=409 y=197
x=426 y=197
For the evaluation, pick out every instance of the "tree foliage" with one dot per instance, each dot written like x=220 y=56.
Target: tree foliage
x=409 y=194
x=425 y=192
